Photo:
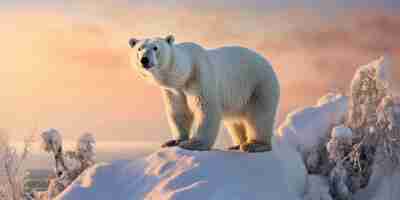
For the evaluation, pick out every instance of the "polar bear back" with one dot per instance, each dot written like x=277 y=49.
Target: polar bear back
x=239 y=71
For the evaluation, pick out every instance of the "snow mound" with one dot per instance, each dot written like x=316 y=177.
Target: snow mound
x=306 y=128
x=383 y=185
x=318 y=188
x=177 y=174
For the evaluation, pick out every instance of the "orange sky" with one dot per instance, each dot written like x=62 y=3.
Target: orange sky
x=67 y=68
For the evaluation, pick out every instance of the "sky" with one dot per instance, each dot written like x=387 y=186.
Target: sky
x=64 y=64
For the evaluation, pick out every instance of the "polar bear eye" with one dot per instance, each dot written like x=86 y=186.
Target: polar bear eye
x=155 y=48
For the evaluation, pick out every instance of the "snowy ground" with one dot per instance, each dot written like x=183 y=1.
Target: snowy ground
x=180 y=174
x=177 y=174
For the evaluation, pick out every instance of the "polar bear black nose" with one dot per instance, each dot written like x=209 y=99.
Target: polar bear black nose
x=145 y=62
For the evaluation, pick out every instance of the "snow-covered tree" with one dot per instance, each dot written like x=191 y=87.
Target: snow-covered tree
x=52 y=143
x=85 y=149
x=374 y=114
x=12 y=169
x=366 y=94
x=369 y=136
x=68 y=164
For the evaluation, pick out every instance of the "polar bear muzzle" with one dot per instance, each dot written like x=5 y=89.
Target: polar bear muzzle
x=145 y=63
x=148 y=59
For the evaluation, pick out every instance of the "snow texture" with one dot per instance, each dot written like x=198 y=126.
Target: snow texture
x=309 y=127
x=384 y=183
x=318 y=188
x=177 y=174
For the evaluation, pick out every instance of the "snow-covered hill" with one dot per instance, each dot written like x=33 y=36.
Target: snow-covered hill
x=177 y=174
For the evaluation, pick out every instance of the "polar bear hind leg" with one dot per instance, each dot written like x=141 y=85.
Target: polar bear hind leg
x=259 y=121
x=237 y=131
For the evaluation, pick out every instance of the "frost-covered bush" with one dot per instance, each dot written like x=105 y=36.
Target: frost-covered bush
x=340 y=143
x=85 y=149
x=372 y=125
x=374 y=114
x=388 y=128
x=12 y=169
x=366 y=94
x=370 y=135
x=52 y=143
x=68 y=164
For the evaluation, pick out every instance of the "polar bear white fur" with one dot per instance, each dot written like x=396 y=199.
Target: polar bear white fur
x=203 y=88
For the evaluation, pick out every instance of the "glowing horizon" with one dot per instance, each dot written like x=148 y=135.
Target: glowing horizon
x=65 y=64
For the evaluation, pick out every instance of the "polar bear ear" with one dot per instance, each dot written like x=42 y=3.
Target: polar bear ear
x=170 y=39
x=133 y=42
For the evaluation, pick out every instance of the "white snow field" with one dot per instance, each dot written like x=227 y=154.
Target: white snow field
x=383 y=185
x=177 y=174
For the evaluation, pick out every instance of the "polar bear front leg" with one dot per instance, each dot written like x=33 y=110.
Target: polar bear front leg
x=206 y=125
x=205 y=129
x=179 y=116
x=203 y=101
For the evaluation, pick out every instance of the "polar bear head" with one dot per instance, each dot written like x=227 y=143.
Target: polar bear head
x=154 y=59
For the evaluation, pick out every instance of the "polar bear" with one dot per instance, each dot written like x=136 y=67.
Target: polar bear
x=202 y=88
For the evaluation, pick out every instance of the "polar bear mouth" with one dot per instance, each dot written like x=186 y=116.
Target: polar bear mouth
x=148 y=66
x=148 y=60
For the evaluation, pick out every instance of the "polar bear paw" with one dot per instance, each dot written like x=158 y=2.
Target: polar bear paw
x=235 y=147
x=255 y=146
x=194 y=145
x=171 y=143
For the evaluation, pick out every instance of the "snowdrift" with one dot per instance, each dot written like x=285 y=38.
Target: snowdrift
x=308 y=127
x=177 y=174
x=384 y=184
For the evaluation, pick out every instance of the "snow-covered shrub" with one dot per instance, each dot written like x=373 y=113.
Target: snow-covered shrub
x=373 y=115
x=85 y=149
x=52 y=143
x=366 y=94
x=340 y=143
x=388 y=125
x=68 y=164
x=367 y=139
x=12 y=169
